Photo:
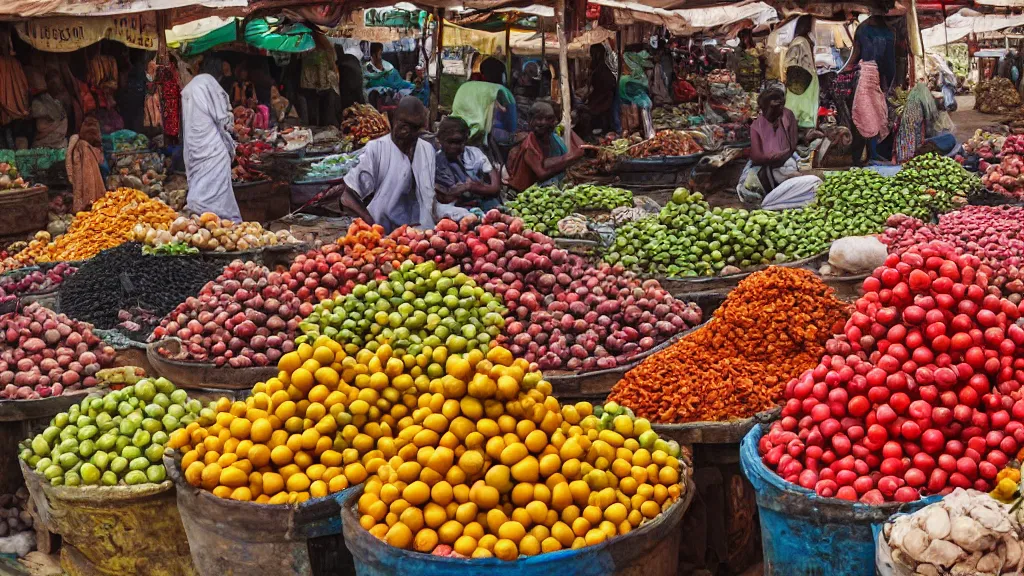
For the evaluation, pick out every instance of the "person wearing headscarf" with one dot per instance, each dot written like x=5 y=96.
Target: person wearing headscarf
x=463 y=175
x=83 y=163
x=801 y=75
x=542 y=156
x=49 y=114
x=208 y=145
x=919 y=128
x=487 y=106
x=765 y=179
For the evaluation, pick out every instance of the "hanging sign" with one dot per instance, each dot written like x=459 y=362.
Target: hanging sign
x=70 y=34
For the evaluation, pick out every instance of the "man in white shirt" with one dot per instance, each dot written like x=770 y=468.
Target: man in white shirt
x=395 y=174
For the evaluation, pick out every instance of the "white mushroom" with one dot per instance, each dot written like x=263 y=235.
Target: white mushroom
x=942 y=553
x=935 y=521
x=928 y=570
x=1013 y=550
x=915 y=544
x=970 y=535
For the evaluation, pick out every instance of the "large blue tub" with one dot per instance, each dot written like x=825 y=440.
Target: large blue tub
x=805 y=535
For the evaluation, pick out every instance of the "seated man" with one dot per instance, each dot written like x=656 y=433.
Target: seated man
x=542 y=155
x=773 y=159
x=464 y=176
x=396 y=174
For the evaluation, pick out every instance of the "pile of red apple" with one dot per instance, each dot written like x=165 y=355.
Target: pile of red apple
x=992 y=233
x=921 y=394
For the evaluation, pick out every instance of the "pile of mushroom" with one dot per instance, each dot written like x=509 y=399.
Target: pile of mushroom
x=967 y=533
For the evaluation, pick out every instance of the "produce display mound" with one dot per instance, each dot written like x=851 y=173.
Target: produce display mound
x=435 y=309
x=917 y=395
x=564 y=314
x=771 y=328
x=542 y=207
x=117 y=438
x=44 y=354
x=125 y=289
x=35 y=284
x=691 y=239
x=210 y=233
x=107 y=224
x=992 y=233
x=508 y=495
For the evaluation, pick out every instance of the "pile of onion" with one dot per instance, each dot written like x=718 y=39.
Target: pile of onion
x=564 y=314
x=45 y=354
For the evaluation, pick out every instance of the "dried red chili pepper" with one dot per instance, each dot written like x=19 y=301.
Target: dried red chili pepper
x=772 y=327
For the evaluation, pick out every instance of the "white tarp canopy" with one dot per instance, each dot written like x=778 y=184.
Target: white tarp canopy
x=180 y=33
x=31 y=8
x=684 y=22
x=967 y=21
x=1001 y=3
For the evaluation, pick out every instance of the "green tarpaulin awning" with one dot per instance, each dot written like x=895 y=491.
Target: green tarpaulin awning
x=268 y=34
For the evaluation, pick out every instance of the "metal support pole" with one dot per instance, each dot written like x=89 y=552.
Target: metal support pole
x=563 y=71
x=438 y=49
x=508 y=52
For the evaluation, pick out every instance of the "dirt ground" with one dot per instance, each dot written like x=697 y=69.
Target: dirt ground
x=967 y=119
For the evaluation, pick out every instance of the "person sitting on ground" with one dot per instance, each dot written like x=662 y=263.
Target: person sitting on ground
x=773 y=158
x=542 y=155
x=395 y=173
x=464 y=176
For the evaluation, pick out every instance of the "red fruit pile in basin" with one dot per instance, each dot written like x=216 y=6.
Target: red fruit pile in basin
x=45 y=354
x=247 y=316
x=564 y=314
x=992 y=233
x=920 y=395
x=1007 y=177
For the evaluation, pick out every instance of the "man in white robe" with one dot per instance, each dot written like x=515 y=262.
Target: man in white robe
x=208 y=147
x=395 y=173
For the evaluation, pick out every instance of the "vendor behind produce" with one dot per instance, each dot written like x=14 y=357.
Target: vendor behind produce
x=542 y=156
x=771 y=177
x=464 y=176
x=208 y=146
x=49 y=114
x=487 y=106
x=396 y=172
